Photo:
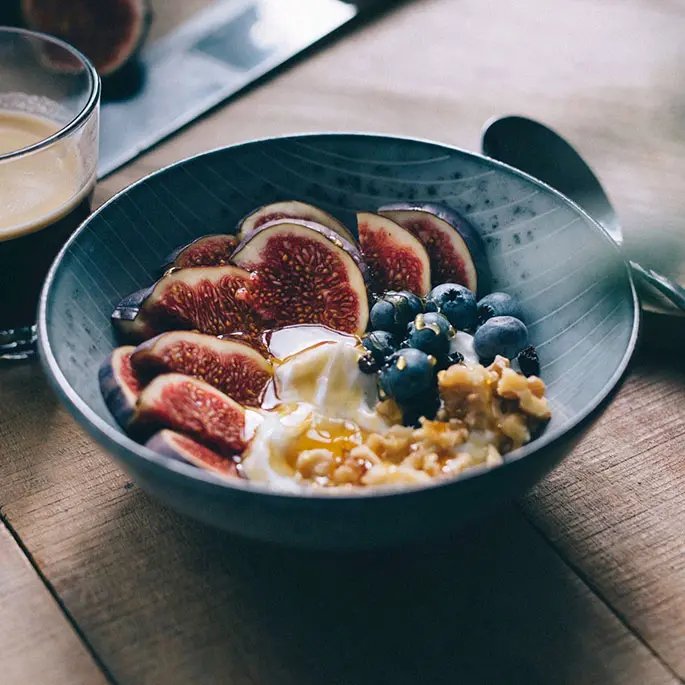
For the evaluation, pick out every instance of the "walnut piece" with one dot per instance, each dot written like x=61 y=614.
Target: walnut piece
x=485 y=412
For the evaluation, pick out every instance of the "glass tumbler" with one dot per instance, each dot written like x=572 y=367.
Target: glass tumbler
x=49 y=107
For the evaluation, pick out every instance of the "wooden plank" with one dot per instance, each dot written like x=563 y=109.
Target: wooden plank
x=37 y=643
x=165 y=600
x=616 y=508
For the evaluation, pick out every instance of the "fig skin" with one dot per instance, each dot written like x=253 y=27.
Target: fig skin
x=452 y=232
x=119 y=384
x=210 y=299
x=379 y=238
x=234 y=368
x=182 y=448
x=109 y=32
x=284 y=248
x=292 y=209
x=193 y=407
x=207 y=250
x=127 y=320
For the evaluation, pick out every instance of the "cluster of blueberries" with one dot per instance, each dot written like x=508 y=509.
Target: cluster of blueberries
x=410 y=340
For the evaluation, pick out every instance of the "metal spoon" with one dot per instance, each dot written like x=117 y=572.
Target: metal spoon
x=541 y=152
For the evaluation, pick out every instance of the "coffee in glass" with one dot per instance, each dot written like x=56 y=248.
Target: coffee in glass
x=49 y=98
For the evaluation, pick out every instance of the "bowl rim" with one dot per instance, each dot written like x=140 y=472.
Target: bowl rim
x=114 y=439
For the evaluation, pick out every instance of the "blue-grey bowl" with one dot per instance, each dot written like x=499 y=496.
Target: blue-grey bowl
x=579 y=301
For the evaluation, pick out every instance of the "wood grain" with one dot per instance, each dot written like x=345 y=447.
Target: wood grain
x=165 y=600
x=616 y=508
x=37 y=644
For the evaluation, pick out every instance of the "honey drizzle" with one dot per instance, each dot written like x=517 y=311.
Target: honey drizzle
x=335 y=435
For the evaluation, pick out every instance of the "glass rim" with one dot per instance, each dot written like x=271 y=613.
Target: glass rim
x=80 y=117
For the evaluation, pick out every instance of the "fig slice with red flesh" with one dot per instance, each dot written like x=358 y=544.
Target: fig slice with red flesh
x=192 y=407
x=119 y=384
x=109 y=32
x=182 y=448
x=208 y=250
x=292 y=209
x=236 y=369
x=303 y=272
x=210 y=299
x=395 y=258
x=455 y=248
x=127 y=320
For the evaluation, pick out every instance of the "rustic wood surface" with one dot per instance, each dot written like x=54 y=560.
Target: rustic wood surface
x=37 y=643
x=584 y=581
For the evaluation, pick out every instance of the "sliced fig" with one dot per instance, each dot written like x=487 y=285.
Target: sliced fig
x=208 y=250
x=292 y=209
x=193 y=407
x=210 y=299
x=304 y=273
x=119 y=384
x=236 y=369
x=127 y=319
x=455 y=248
x=395 y=258
x=109 y=33
x=182 y=448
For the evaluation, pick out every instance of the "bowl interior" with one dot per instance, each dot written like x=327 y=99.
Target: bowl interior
x=579 y=302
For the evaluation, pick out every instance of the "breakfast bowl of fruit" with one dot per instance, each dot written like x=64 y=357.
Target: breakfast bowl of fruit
x=337 y=340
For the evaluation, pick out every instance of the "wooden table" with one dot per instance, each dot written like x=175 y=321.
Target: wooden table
x=581 y=582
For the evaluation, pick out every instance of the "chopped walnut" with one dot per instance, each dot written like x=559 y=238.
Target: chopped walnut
x=515 y=428
x=392 y=446
x=384 y=474
x=350 y=471
x=466 y=393
x=485 y=412
x=313 y=463
x=443 y=435
x=528 y=391
x=390 y=411
x=364 y=453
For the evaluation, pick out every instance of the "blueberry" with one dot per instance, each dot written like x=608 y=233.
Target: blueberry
x=367 y=364
x=503 y=335
x=499 y=304
x=394 y=311
x=456 y=303
x=425 y=405
x=383 y=316
x=430 y=333
x=414 y=301
x=528 y=361
x=409 y=374
x=380 y=344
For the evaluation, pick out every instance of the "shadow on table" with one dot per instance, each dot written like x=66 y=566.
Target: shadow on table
x=494 y=604
x=475 y=609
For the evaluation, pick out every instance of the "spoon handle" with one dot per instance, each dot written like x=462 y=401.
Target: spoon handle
x=670 y=289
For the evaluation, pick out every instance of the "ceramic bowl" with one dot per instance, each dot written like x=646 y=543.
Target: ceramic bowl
x=579 y=302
